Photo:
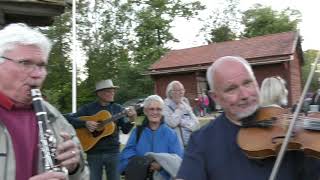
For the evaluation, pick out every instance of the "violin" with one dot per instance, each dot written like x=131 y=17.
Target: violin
x=263 y=134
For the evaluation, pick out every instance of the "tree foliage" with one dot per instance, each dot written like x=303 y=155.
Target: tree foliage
x=154 y=19
x=228 y=23
x=222 y=33
x=261 y=20
x=57 y=87
x=224 y=23
x=309 y=57
x=122 y=38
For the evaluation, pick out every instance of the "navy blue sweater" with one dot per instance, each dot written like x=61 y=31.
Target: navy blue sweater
x=213 y=154
x=108 y=144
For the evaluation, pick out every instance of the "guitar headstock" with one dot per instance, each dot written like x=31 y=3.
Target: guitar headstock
x=135 y=106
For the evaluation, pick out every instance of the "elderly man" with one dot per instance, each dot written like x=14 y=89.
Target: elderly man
x=103 y=151
x=178 y=112
x=23 y=58
x=213 y=152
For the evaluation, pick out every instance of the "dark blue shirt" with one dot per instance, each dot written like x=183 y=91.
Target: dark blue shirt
x=108 y=144
x=213 y=154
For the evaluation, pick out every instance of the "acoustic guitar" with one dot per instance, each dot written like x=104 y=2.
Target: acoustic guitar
x=105 y=128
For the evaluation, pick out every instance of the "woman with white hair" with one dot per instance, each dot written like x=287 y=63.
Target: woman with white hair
x=273 y=92
x=152 y=136
x=178 y=112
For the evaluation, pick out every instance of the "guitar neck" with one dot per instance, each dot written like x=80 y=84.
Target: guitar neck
x=118 y=116
x=113 y=118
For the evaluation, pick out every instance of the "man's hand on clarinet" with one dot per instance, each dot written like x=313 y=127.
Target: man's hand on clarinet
x=68 y=153
x=50 y=176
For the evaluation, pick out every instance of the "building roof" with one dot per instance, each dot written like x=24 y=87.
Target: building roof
x=257 y=49
x=31 y=12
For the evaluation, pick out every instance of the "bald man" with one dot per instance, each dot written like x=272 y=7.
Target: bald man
x=213 y=152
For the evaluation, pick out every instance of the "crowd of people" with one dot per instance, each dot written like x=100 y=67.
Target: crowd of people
x=169 y=144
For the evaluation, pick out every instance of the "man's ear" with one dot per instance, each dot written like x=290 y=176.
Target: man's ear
x=213 y=96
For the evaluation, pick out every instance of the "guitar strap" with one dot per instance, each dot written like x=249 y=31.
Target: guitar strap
x=139 y=131
x=181 y=134
x=179 y=127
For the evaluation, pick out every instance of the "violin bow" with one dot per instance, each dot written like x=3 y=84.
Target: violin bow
x=291 y=125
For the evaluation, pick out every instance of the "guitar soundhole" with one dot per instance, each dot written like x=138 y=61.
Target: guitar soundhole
x=96 y=133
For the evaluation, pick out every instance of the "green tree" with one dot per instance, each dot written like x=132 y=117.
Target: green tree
x=121 y=39
x=154 y=19
x=261 y=20
x=224 y=23
x=104 y=33
x=309 y=57
x=222 y=33
x=57 y=86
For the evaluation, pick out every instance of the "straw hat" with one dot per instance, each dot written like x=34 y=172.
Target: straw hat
x=105 y=84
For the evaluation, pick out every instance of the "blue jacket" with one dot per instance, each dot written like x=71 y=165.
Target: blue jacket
x=162 y=140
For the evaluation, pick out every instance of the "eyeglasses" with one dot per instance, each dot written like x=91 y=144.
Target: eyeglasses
x=155 y=109
x=26 y=64
x=178 y=90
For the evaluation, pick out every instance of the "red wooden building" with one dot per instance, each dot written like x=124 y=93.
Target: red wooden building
x=270 y=55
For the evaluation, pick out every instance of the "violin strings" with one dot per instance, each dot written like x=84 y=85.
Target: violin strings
x=304 y=122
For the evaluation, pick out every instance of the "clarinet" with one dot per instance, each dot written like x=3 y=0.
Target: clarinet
x=47 y=141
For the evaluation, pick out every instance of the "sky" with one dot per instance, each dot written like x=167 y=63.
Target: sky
x=186 y=31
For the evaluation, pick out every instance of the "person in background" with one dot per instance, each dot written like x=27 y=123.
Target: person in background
x=213 y=152
x=273 y=92
x=152 y=136
x=316 y=99
x=178 y=113
x=105 y=153
x=24 y=56
x=203 y=104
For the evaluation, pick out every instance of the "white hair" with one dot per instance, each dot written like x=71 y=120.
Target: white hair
x=21 y=34
x=153 y=98
x=170 y=87
x=273 y=91
x=211 y=70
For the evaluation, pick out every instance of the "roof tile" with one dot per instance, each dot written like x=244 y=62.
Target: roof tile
x=250 y=48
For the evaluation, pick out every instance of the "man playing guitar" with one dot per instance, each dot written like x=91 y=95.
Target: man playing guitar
x=92 y=122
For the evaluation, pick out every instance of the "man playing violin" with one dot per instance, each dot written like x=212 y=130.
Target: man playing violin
x=213 y=152
x=105 y=153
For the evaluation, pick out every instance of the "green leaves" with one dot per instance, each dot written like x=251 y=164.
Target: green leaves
x=309 y=57
x=119 y=39
x=263 y=20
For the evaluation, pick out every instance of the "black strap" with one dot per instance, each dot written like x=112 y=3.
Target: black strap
x=172 y=109
x=3 y=154
x=139 y=131
x=179 y=127
x=181 y=134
